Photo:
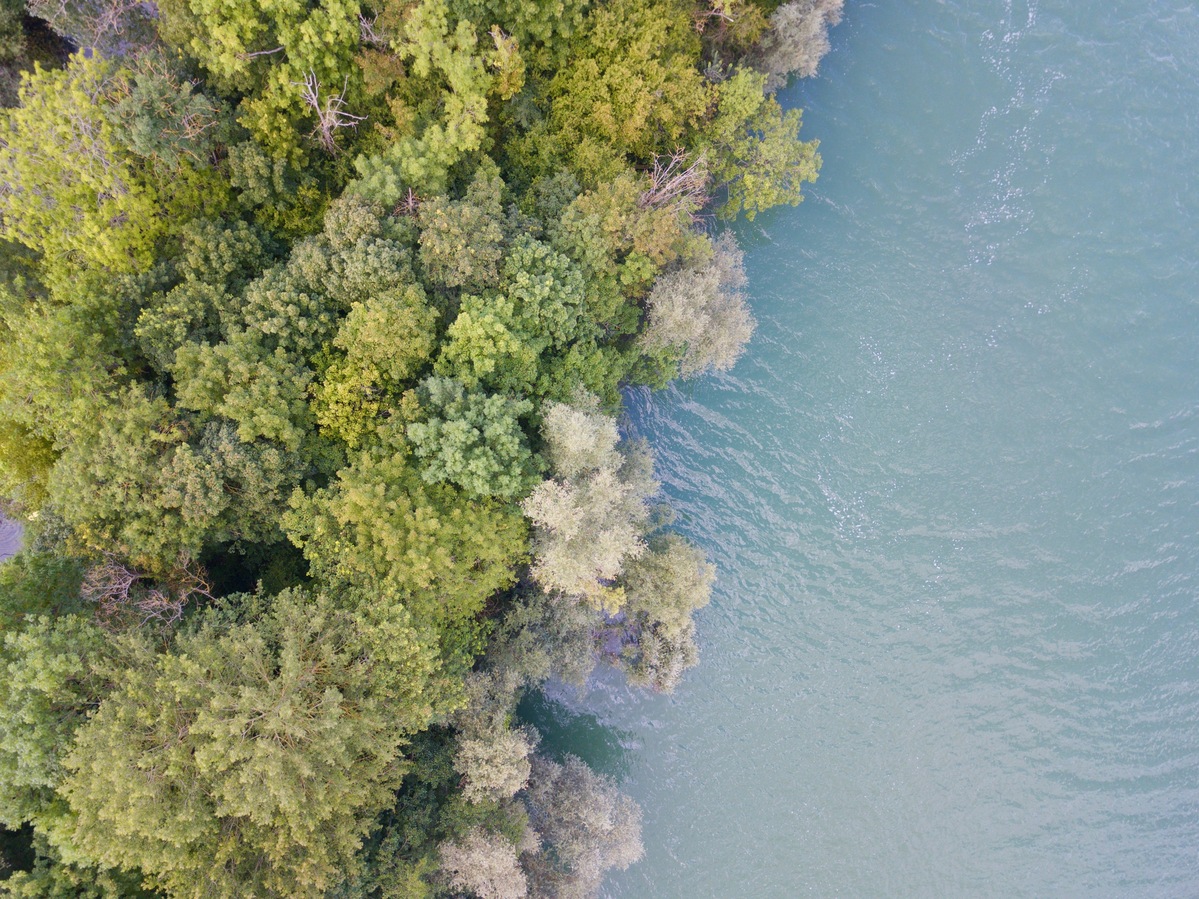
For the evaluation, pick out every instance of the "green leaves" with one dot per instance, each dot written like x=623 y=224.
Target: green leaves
x=523 y=234
x=251 y=759
x=382 y=528
x=74 y=192
x=755 y=148
x=472 y=439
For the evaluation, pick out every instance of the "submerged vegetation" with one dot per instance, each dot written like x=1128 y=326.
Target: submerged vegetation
x=314 y=321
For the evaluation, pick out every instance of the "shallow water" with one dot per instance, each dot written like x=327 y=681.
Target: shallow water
x=952 y=488
x=10 y=538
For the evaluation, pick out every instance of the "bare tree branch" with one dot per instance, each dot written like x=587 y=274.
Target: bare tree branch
x=331 y=114
x=674 y=182
x=368 y=34
x=119 y=591
x=259 y=53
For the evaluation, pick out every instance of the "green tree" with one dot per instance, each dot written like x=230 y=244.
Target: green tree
x=663 y=588
x=381 y=527
x=263 y=392
x=631 y=88
x=253 y=758
x=135 y=485
x=442 y=108
x=754 y=148
x=472 y=439
x=461 y=241
x=74 y=193
x=53 y=878
x=386 y=340
x=266 y=52
x=541 y=30
x=54 y=673
x=216 y=262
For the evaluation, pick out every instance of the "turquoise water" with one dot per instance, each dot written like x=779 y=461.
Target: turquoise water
x=953 y=487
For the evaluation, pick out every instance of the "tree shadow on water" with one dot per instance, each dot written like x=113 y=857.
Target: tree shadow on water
x=565 y=730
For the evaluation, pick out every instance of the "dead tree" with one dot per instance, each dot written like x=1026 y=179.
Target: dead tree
x=672 y=182
x=369 y=34
x=331 y=114
x=122 y=593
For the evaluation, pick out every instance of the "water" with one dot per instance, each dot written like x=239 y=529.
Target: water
x=10 y=538
x=953 y=488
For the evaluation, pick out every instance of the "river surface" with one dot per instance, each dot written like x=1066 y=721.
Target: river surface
x=10 y=538
x=952 y=488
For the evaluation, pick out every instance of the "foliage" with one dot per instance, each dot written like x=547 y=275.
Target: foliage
x=589 y=826
x=701 y=313
x=472 y=440
x=379 y=526
x=134 y=483
x=390 y=404
x=590 y=522
x=441 y=61
x=265 y=51
x=484 y=865
x=511 y=338
x=542 y=636
x=494 y=765
x=37 y=583
x=461 y=240
x=52 y=878
x=73 y=192
x=52 y=677
x=798 y=37
x=663 y=587
x=250 y=759
x=755 y=148
x=112 y=27
x=631 y=89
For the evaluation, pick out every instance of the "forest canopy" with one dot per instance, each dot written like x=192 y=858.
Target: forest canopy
x=315 y=322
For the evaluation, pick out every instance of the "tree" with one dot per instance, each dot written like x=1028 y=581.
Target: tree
x=589 y=522
x=586 y=824
x=253 y=757
x=494 y=764
x=472 y=439
x=797 y=38
x=379 y=526
x=53 y=673
x=263 y=392
x=443 y=104
x=73 y=192
x=700 y=312
x=631 y=89
x=541 y=30
x=539 y=636
x=754 y=148
x=385 y=340
x=135 y=485
x=54 y=878
x=508 y=338
x=484 y=864
x=111 y=27
x=663 y=588
x=216 y=262
x=461 y=241
x=265 y=52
